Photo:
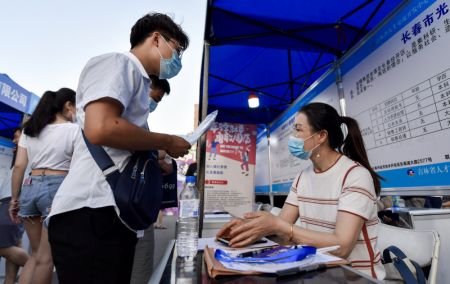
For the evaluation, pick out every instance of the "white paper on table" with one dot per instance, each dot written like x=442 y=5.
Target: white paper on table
x=212 y=243
x=201 y=129
x=318 y=258
x=240 y=211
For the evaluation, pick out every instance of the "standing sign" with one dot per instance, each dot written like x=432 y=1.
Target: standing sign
x=230 y=168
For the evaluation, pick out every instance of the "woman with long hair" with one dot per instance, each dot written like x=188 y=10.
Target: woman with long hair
x=47 y=145
x=334 y=198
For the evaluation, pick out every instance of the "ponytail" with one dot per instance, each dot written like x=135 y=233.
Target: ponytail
x=45 y=113
x=354 y=149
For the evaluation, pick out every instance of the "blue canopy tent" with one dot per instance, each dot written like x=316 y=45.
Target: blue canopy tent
x=14 y=102
x=277 y=49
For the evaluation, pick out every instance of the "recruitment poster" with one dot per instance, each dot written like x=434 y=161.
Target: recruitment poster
x=230 y=168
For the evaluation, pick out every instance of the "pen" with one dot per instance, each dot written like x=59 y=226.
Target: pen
x=253 y=252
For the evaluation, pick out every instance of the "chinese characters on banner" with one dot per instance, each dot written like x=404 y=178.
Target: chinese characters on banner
x=400 y=96
x=230 y=168
x=12 y=94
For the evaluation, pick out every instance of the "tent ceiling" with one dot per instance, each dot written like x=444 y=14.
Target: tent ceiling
x=278 y=48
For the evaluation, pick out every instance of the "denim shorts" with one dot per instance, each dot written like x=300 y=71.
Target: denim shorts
x=36 y=196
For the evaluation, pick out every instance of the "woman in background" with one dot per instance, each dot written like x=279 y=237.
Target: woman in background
x=46 y=144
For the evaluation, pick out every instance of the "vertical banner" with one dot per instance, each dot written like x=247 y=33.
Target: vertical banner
x=230 y=168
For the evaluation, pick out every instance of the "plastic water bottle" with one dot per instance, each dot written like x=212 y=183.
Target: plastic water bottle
x=188 y=215
x=395 y=202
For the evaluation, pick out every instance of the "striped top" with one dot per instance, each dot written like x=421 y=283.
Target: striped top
x=346 y=186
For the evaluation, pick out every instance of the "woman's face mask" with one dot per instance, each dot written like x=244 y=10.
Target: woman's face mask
x=297 y=147
x=169 y=68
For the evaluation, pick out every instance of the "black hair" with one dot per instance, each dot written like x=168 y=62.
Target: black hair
x=157 y=22
x=15 y=152
x=192 y=170
x=49 y=105
x=324 y=117
x=162 y=84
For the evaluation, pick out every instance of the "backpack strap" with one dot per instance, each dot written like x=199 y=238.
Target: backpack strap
x=103 y=160
x=401 y=264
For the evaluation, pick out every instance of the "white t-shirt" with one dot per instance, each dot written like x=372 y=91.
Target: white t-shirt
x=346 y=186
x=53 y=148
x=121 y=77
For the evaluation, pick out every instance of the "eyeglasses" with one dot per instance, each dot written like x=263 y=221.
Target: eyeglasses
x=178 y=49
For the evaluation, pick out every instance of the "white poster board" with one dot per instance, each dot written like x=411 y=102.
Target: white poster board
x=230 y=168
x=400 y=96
x=262 y=170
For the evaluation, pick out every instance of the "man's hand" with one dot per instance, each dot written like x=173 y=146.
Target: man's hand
x=178 y=147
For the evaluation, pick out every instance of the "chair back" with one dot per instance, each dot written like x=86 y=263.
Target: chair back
x=420 y=246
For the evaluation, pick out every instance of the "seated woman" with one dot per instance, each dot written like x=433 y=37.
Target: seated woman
x=335 y=198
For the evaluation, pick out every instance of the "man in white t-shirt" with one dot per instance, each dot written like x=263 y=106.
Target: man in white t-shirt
x=112 y=109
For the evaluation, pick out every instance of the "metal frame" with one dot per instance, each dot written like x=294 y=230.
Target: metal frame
x=289 y=33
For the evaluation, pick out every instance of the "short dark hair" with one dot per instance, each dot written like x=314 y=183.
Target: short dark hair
x=162 y=84
x=157 y=22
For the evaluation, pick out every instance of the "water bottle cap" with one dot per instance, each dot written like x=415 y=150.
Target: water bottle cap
x=190 y=179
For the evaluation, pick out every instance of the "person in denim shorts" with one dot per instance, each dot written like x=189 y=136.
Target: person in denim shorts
x=10 y=233
x=46 y=145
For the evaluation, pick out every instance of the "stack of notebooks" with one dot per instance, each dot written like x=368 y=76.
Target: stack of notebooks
x=276 y=260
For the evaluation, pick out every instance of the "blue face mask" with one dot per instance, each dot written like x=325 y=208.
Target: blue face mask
x=152 y=105
x=169 y=68
x=297 y=147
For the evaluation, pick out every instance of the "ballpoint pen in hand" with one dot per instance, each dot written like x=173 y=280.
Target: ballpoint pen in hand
x=260 y=252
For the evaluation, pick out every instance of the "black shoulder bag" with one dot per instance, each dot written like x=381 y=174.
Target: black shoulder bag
x=137 y=189
x=169 y=188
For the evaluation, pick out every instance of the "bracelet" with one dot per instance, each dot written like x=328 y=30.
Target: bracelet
x=291 y=236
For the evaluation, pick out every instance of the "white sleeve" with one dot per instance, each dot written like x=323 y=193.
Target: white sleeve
x=358 y=193
x=23 y=141
x=112 y=76
x=75 y=130
x=292 y=197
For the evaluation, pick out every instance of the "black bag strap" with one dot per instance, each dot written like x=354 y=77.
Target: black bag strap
x=103 y=160
x=401 y=266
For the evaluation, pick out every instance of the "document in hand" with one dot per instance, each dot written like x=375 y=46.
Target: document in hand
x=202 y=128
x=215 y=267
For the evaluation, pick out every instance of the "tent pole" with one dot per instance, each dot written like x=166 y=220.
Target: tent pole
x=340 y=87
x=201 y=146
x=270 y=165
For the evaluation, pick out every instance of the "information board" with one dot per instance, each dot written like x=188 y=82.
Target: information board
x=284 y=166
x=400 y=96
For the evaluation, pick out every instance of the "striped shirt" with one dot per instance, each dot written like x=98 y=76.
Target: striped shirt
x=346 y=186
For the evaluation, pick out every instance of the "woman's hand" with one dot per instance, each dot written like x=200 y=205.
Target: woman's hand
x=225 y=231
x=255 y=226
x=14 y=211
